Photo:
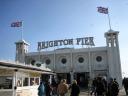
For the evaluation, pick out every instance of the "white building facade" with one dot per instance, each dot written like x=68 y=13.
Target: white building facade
x=80 y=64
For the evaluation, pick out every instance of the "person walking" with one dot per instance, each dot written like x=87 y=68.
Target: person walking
x=62 y=88
x=114 y=88
x=41 y=89
x=125 y=84
x=93 y=87
x=75 y=90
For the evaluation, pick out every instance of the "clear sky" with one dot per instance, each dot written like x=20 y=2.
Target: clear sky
x=60 y=19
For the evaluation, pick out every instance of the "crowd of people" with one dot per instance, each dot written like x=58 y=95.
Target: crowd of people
x=100 y=87
x=61 y=89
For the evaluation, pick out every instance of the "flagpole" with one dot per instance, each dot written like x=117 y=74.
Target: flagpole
x=21 y=30
x=109 y=21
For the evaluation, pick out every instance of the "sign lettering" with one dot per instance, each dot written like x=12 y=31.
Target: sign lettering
x=79 y=41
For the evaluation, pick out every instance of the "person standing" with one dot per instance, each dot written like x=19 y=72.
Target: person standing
x=41 y=89
x=62 y=88
x=54 y=87
x=109 y=87
x=48 y=89
x=100 y=89
x=105 y=86
x=75 y=90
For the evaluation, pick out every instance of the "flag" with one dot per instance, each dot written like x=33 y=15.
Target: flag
x=16 y=24
x=102 y=10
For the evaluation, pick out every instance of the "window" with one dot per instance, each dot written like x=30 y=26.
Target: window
x=32 y=81
x=33 y=62
x=19 y=82
x=37 y=81
x=48 y=61
x=25 y=81
x=6 y=82
x=38 y=64
x=98 y=58
x=63 y=60
x=81 y=59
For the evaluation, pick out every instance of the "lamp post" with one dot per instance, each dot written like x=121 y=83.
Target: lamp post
x=72 y=70
x=90 y=69
x=89 y=62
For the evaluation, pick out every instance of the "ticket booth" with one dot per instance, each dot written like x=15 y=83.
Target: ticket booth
x=20 y=80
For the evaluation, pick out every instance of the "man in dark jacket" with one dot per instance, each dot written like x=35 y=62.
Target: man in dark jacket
x=114 y=88
x=75 y=90
x=100 y=88
x=48 y=89
x=125 y=84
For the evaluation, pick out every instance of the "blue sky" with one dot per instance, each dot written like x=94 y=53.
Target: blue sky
x=60 y=19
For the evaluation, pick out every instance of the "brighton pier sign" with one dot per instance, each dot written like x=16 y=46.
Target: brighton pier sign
x=77 y=41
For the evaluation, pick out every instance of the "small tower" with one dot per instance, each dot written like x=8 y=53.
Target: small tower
x=113 y=53
x=21 y=50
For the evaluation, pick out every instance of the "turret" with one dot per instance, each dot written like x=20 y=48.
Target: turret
x=114 y=65
x=21 y=50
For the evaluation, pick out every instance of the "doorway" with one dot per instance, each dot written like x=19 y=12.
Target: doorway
x=61 y=76
x=82 y=79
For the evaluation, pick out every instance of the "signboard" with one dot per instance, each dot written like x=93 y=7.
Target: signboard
x=77 y=41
